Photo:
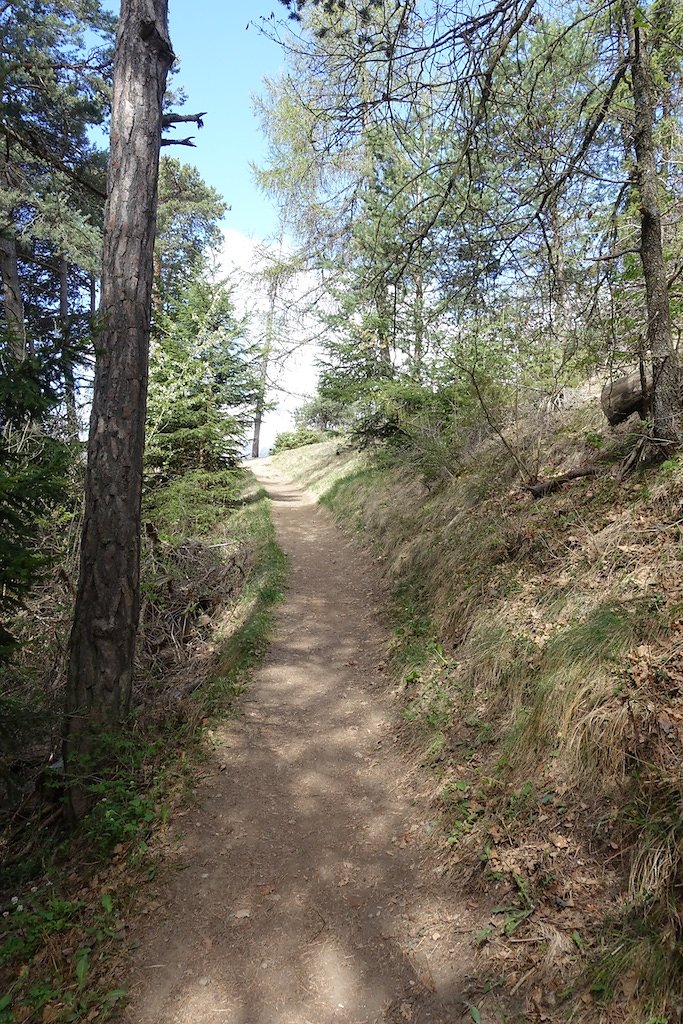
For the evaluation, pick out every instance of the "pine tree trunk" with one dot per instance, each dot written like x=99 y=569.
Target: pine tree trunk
x=666 y=393
x=9 y=272
x=67 y=359
x=102 y=645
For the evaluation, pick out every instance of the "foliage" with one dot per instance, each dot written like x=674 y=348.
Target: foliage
x=191 y=504
x=125 y=806
x=33 y=469
x=297 y=438
x=324 y=415
x=502 y=273
x=201 y=384
x=187 y=227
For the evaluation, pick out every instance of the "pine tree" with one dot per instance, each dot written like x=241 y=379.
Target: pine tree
x=188 y=227
x=102 y=643
x=201 y=386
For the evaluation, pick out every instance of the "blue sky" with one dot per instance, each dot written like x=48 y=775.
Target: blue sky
x=221 y=66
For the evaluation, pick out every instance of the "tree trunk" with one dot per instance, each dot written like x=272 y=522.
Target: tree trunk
x=67 y=359
x=265 y=360
x=258 y=420
x=666 y=396
x=102 y=644
x=9 y=272
x=383 y=335
x=418 y=323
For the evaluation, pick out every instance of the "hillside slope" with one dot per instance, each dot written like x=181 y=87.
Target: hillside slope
x=539 y=657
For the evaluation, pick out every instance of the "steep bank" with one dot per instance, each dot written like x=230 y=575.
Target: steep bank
x=537 y=649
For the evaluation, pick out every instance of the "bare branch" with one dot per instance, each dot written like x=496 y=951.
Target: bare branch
x=169 y=120
x=179 y=142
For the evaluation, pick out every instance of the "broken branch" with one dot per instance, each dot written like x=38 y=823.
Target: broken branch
x=544 y=487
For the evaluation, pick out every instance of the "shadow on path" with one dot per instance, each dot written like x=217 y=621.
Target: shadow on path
x=303 y=897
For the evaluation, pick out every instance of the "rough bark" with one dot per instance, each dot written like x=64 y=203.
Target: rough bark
x=666 y=398
x=102 y=644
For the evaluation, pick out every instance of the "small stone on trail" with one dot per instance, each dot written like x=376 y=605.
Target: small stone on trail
x=204 y=981
x=241 y=914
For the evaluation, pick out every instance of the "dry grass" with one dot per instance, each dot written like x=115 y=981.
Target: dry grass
x=319 y=466
x=561 y=620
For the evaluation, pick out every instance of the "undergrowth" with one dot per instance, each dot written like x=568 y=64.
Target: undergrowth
x=65 y=899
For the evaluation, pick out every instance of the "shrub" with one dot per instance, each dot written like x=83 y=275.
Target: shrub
x=297 y=439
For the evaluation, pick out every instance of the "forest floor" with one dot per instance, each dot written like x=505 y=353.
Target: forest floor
x=306 y=888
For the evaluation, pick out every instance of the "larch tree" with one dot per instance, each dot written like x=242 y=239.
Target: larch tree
x=102 y=644
x=521 y=173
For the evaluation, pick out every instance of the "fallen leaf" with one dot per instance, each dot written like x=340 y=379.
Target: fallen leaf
x=559 y=841
x=629 y=984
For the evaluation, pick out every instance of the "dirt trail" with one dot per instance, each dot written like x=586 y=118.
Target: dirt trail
x=307 y=896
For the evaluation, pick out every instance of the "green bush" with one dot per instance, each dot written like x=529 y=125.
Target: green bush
x=297 y=439
x=120 y=774
x=33 y=471
x=193 y=503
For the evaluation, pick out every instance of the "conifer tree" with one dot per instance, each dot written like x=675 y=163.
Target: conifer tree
x=102 y=644
x=201 y=385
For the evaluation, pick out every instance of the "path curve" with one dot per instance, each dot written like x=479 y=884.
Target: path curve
x=307 y=897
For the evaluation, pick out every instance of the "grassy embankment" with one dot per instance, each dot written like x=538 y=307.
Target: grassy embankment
x=211 y=573
x=538 y=651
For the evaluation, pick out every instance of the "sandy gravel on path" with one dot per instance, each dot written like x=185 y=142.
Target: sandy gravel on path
x=308 y=894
